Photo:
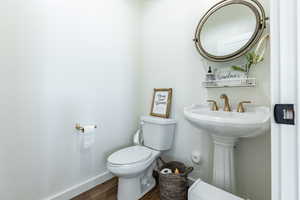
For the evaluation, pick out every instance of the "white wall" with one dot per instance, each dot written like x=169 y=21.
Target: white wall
x=64 y=62
x=169 y=59
x=67 y=61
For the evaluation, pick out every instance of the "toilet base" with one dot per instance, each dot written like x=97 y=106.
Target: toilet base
x=134 y=188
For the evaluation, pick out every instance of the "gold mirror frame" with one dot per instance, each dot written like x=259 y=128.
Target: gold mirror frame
x=261 y=18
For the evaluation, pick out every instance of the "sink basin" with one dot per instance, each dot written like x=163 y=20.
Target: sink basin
x=229 y=124
x=225 y=129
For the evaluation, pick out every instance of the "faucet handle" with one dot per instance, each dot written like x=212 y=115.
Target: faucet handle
x=214 y=105
x=241 y=108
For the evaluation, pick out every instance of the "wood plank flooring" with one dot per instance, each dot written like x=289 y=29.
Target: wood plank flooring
x=108 y=191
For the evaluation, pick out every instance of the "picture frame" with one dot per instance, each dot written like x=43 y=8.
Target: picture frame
x=161 y=102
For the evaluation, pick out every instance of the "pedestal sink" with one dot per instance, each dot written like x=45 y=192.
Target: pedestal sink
x=226 y=128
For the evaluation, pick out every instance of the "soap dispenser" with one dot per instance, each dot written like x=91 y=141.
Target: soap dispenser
x=210 y=76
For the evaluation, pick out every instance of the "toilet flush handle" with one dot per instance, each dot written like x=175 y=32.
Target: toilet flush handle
x=139 y=134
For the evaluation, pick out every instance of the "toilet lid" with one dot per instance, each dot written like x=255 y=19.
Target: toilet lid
x=130 y=155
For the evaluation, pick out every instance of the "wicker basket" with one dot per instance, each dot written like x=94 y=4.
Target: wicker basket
x=174 y=186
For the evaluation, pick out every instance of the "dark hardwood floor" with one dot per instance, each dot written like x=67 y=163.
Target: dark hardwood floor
x=108 y=191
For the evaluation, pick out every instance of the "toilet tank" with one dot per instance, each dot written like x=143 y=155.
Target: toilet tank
x=158 y=133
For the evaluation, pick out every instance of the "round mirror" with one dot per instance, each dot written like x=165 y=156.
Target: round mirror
x=230 y=29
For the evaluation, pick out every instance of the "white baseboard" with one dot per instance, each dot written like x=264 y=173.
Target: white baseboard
x=82 y=187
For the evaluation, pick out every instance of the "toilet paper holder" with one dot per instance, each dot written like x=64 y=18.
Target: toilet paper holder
x=81 y=128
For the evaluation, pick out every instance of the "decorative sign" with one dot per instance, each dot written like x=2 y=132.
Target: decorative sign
x=161 y=103
x=227 y=74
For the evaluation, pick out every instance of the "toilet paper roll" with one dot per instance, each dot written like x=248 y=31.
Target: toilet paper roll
x=88 y=129
x=87 y=137
x=166 y=171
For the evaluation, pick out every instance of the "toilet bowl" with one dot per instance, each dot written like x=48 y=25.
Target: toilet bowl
x=134 y=165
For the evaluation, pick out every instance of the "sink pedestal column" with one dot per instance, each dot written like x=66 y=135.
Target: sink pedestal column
x=223 y=166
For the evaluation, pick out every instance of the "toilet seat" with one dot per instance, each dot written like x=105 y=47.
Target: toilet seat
x=130 y=155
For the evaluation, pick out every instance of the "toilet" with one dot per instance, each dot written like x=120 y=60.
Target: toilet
x=134 y=165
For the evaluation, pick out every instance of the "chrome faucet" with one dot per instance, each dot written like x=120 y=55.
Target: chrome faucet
x=227 y=107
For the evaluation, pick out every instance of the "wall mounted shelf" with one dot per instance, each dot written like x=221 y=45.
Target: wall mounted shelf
x=236 y=82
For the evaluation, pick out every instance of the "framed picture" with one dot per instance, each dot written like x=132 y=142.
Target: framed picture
x=161 y=103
